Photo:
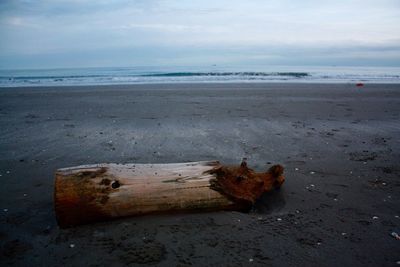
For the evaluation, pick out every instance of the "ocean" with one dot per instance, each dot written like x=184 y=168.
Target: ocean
x=209 y=74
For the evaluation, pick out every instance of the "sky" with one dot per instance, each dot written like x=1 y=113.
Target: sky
x=108 y=33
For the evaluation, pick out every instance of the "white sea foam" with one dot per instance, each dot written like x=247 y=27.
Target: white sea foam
x=143 y=75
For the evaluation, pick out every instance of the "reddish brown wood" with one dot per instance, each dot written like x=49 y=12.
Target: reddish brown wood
x=100 y=192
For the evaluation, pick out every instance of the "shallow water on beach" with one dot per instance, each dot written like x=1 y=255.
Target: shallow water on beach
x=219 y=74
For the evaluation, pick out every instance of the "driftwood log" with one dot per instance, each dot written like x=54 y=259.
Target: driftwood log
x=92 y=193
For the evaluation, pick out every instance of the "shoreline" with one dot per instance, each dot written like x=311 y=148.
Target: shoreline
x=219 y=84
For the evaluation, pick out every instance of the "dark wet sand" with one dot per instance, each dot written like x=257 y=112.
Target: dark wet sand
x=340 y=145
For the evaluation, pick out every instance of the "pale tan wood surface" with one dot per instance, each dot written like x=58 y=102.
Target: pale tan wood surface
x=92 y=193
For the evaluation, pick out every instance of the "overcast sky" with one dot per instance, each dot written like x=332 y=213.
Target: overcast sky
x=75 y=33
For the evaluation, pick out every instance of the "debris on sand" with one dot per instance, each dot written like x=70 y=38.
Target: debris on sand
x=82 y=193
x=395 y=235
x=377 y=182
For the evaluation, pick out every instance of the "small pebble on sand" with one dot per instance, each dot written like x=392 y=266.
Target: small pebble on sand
x=395 y=235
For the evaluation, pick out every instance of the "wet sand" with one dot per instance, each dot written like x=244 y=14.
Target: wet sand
x=339 y=144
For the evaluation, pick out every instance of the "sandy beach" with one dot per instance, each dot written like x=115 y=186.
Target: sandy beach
x=339 y=145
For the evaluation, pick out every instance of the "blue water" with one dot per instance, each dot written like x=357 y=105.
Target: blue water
x=144 y=75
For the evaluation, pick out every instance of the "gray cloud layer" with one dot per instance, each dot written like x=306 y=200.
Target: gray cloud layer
x=124 y=33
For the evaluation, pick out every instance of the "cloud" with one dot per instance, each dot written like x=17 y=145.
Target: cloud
x=161 y=27
x=329 y=28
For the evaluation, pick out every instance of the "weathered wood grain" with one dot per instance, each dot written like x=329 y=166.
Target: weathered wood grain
x=98 y=192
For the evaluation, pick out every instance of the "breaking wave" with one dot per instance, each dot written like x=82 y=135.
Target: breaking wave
x=151 y=75
x=243 y=74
